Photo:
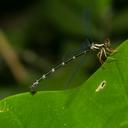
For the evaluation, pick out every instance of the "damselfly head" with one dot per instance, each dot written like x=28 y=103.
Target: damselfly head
x=107 y=42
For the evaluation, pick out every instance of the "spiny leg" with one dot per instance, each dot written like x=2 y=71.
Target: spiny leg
x=100 y=55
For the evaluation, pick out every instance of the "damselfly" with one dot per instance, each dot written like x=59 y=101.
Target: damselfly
x=102 y=49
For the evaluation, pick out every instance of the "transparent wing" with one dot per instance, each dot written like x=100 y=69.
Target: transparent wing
x=68 y=76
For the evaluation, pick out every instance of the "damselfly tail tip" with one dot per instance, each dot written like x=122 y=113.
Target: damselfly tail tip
x=32 y=90
x=33 y=87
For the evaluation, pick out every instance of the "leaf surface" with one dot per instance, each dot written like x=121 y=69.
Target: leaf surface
x=81 y=107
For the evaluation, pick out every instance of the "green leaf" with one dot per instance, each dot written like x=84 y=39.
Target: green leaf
x=81 y=107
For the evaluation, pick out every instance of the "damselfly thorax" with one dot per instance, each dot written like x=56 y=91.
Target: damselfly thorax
x=102 y=50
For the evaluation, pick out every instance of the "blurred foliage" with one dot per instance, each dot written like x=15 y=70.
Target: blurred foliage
x=40 y=33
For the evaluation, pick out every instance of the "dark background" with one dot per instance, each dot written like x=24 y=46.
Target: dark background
x=35 y=35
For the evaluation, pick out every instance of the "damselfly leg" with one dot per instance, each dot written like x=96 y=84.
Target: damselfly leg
x=104 y=50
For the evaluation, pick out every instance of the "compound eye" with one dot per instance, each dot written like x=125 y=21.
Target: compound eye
x=107 y=42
